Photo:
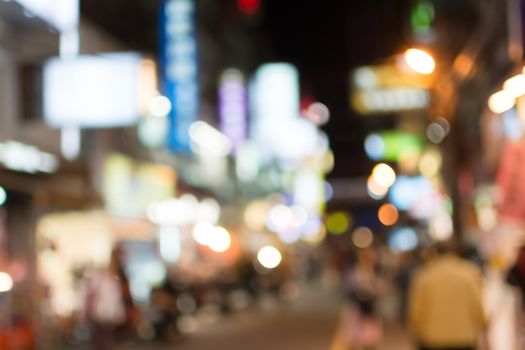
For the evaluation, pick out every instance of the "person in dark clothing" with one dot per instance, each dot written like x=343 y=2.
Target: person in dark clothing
x=410 y=263
x=516 y=274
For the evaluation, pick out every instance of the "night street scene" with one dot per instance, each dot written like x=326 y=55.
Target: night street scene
x=262 y=175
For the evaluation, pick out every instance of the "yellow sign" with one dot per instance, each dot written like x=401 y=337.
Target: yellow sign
x=130 y=186
x=388 y=88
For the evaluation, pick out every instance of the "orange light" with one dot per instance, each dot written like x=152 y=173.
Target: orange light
x=420 y=61
x=388 y=214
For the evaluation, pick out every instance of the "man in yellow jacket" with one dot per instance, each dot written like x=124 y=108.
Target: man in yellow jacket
x=445 y=306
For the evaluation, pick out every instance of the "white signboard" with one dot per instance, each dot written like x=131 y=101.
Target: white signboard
x=93 y=91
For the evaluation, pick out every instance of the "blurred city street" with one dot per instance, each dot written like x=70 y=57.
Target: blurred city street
x=310 y=322
x=262 y=174
x=307 y=323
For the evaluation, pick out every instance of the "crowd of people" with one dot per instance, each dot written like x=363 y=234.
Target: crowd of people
x=440 y=302
x=438 y=289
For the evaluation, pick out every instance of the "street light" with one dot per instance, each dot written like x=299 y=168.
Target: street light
x=420 y=61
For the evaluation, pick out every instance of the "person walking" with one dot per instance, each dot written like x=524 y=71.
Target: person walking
x=361 y=325
x=108 y=305
x=445 y=306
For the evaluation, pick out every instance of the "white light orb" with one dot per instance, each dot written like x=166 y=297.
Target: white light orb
x=280 y=217
x=220 y=241
x=160 y=106
x=202 y=233
x=6 y=282
x=420 y=61
x=269 y=257
x=384 y=175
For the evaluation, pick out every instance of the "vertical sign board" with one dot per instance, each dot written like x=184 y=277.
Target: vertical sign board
x=232 y=107
x=509 y=180
x=180 y=70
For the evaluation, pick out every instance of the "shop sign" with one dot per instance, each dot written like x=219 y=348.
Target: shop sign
x=130 y=187
x=509 y=181
x=94 y=91
x=180 y=70
x=386 y=89
x=233 y=107
x=274 y=103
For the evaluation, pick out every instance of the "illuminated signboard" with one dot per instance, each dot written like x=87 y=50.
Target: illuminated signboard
x=129 y=187
x=180 y=70
x=392 y=145
x=232 y=107
x=386 y=88
x=93 y=91
x=274 y=99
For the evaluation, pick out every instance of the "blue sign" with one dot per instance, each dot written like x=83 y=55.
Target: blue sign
x=180 y=70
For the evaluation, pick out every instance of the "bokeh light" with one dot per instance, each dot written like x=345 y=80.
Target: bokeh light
x=160 y=106
x=501 y=101
x=6 y=282
x=318 y=113
x=403 y=239
x=374 y=146
x=209 y=211
x=407 y=191
x=338 y=222
x=444 y=123
x=515 y=86
x=430 y=163
x=362 y=237
x=269 y=257
x=383 y=175
x=436 y=133
x=255 y=215
x=202 y=232
x=409 y=161
x=441 y=227
x=314 y=231
x=150 y=131
x=220 y=241
x=365 y=78
x=420 y=61
x=169 y=243
x=388 y=214
x=328 y=191
x=205 y=139
x=280 y=217
x=299 y=216
x=3 y=196
x=375 y=190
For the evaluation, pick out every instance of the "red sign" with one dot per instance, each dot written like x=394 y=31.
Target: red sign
x=510 y=180
x=249 y=7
